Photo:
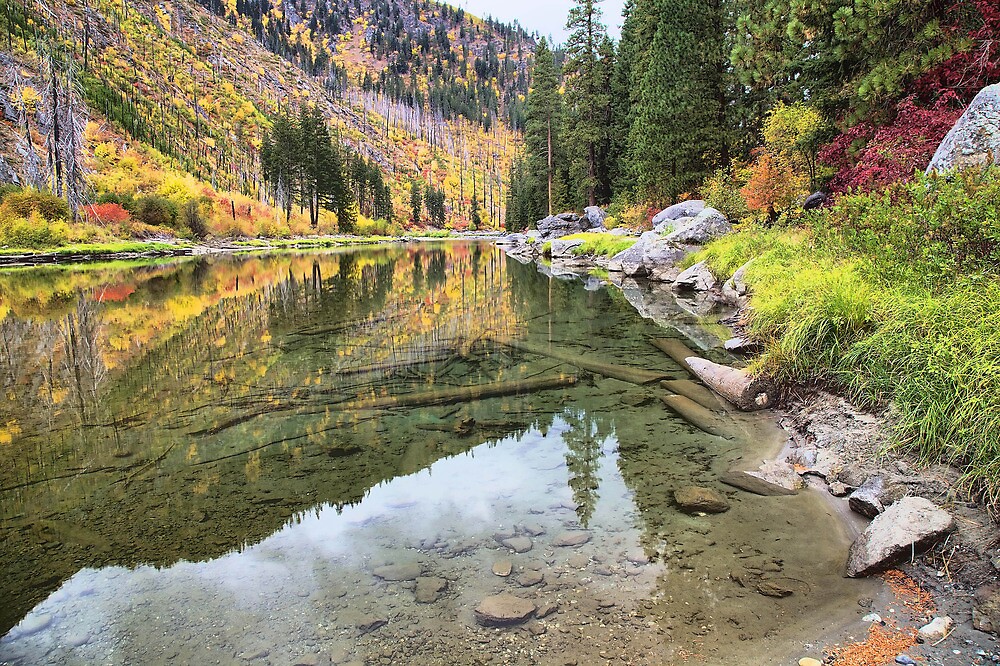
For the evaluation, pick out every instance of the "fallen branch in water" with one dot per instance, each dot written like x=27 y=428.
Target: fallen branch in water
x=746 y=392
x=696 y=392
x=462 y=394
x=621 y=372
x=698 y=416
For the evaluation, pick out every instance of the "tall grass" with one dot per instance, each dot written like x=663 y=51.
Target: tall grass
x=600 y=244
x=894 y=299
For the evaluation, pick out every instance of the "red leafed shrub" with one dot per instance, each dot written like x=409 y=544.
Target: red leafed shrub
x=966 y=73
x=868 y=158
x=106 y=213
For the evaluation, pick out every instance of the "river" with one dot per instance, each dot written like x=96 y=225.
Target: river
x=276 y=459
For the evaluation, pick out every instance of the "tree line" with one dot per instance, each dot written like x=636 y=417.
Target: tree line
x=303 y=164
x=854 y=97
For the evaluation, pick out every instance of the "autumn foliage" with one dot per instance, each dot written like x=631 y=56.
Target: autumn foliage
x=106 y=213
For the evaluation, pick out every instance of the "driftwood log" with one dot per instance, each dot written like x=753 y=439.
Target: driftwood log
x=622 y=372
x=461 y=394
x=747 y=393
x=698 y=416
x=696 y=392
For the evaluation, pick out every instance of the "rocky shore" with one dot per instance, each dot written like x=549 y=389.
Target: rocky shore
x=903 y=515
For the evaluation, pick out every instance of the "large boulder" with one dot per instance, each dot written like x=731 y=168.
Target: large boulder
x=986 y=611
x=910 y=525
x=975 y=138
x=696 y=278
x=563 y=249
x=631 y=262
x=594 y=217
x=660 y=258
x=678 y=211
x=557 y=226
x=814 y=201
x=707 y=225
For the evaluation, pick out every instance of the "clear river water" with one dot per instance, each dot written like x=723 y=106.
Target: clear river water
x=281 y=459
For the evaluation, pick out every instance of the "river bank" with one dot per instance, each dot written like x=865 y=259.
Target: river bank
x=832 y=448
x=171 y=247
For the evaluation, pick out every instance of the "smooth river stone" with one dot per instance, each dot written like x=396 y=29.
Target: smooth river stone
x=398 y=572
x=518 y=544
x=428 y=589
x=502 y=568
x=503 y=609
x=576 y=538
x=530 y=578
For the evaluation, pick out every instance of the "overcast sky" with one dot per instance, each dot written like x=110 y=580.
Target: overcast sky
x=548 y=17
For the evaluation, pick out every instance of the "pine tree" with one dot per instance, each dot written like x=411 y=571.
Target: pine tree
x=675 y=119
x=416 y=202
x=542 y=136
x=587 y=98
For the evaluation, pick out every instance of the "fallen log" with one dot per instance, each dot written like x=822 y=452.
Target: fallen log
x=676 y=350
x=746 y=392
x=622 y=372
x=696 y=392
x=461 y=394
x=698 y=416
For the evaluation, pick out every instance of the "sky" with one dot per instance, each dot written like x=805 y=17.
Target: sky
x=548 y=17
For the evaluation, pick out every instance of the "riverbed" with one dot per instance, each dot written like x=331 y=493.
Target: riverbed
x=276 y=459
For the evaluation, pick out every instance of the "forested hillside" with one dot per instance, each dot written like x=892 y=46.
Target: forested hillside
x=112 y=100
x=751 y=104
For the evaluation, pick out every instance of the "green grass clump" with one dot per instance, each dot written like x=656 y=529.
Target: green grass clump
x=871 y=297
x=600 y=245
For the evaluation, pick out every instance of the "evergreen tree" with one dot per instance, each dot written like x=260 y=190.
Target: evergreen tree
x=416 y=202
x=674 y=129
x=542 y=134
x=587 y=98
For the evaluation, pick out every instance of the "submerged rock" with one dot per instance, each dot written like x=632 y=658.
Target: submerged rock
x=503 y=609
x=398 y=572
x=518 y=544
x=910 y=525
x=975 y=138
x=778 y=473
x=429 y=588
x=753 y=484
x=694 y=499
x=574 y=538
x=502 y=568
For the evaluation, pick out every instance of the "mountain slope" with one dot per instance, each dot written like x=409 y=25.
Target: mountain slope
x=199 y=85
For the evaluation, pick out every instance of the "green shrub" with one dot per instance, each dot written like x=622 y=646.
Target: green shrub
x=603 y=245
x=155 y=210
x=722 y=192
x=7 y=188
x=23 y=203
x=192 y=218
x=33 y=232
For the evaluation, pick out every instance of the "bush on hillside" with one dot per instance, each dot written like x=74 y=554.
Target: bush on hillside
x=7 y=188
x=23 y=203
x=155 y=210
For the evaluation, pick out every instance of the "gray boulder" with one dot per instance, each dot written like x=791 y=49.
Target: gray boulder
x=620 y=231
x=975 y=138
x=557 y=226
x=594 y=217
x=660 y=258
x=670 y=226
x=736 y=289
x=677 y=211
x=631 y=262
x=563 y=249
x=696 y=278
x=867 y=500
x=708 y=225
x=511 y=239
x=910 y=525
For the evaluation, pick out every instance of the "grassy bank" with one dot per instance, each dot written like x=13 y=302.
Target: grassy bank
x=894 y=299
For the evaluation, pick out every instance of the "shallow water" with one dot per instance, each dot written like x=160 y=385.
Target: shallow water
x=191 y=471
